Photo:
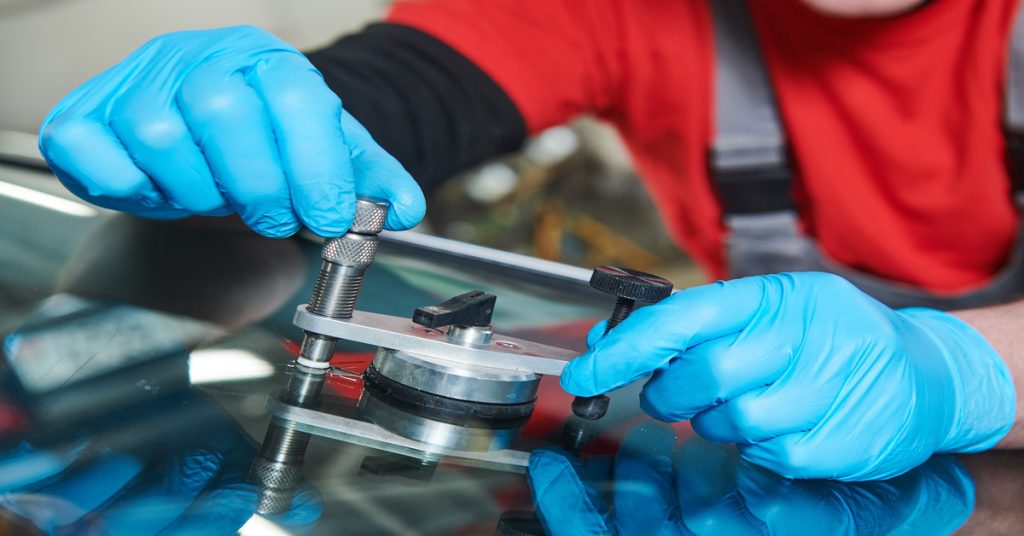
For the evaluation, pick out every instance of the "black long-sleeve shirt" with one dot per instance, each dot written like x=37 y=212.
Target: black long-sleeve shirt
x=423 y=102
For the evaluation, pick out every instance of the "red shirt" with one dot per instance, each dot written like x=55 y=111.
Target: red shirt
x=895 y=124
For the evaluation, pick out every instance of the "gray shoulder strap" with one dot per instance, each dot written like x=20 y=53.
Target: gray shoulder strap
x=1013 y=107
x=748 y=157
x=748 y=130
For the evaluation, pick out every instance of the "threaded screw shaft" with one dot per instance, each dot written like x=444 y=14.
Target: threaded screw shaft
x=623 y=307
x=335 y=293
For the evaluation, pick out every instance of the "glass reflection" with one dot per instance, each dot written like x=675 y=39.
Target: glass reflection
x=178 y=463
x=101 y=428
x=657 y=487
x=103 y=434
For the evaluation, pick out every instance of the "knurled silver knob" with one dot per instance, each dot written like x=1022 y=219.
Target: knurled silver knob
x=351 y=249
x=370 y=216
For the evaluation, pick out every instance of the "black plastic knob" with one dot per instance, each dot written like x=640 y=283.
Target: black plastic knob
x=470 y=309
x=590 y=407
x=632 y=284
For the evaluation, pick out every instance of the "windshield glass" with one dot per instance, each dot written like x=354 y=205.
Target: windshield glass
x=144 y=363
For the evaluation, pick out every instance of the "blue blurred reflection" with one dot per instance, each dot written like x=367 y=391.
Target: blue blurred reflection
x=701 y=488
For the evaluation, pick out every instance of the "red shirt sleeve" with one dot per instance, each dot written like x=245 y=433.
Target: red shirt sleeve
x=554 y=58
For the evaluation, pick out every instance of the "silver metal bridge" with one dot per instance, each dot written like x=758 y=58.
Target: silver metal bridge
x=506 y=353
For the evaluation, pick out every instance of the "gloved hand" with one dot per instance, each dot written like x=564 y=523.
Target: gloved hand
x=705 y=489
x=810 y=376
x=177 y=467
x=216 y=122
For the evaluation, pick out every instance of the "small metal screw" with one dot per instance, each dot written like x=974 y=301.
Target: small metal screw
x=628 y=287
x=623 y=306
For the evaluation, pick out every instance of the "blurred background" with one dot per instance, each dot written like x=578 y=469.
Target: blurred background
x=570 y=195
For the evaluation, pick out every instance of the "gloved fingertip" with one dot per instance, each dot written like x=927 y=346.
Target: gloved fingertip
x=165 y=214
x=400 y=222
x=572 y=382
x=407 y=210
x=766 y=455
x=272 y=226
x=596 y=333
x=585 y=376
x=276 y=232
x=331 y=227
x=651 y=409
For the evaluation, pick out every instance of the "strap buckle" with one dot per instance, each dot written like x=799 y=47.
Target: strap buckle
x=750 y=183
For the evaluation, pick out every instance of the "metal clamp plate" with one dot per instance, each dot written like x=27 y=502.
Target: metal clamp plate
x=386 y=331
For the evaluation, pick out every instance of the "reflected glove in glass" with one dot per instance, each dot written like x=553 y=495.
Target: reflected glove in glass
x=702 y=489
x=180 y=470
x=224 y=121
x=809 y=375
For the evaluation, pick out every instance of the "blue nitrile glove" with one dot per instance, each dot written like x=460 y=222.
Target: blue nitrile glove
x=181 y=468
x=704 y=489
x=812 y=377
x=216 y=122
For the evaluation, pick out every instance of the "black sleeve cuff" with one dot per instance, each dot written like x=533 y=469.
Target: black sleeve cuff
x=423 y=102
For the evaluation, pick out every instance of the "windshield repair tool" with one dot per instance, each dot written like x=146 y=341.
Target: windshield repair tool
x=443 y=378
x=442 y=383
